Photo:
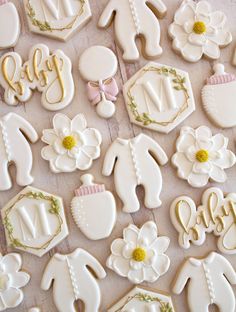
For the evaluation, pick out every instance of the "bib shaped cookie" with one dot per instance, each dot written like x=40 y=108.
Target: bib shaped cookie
x=58 y=19
x=218 y=97
x=9 y=25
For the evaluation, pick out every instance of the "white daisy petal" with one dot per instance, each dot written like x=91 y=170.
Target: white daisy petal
x=136 y=276
x=212 y=50
x=130 y=234
x=60 y=123
x=49 y=136
x=117 y=247
x=150 y=275
x=188 y=26
x=218 y=175
x=191 y=153
x=218 y=19
x=91 y=151
x=147 y=234
x=65 y=164
x=92 y=137
x=203 y=132
x=197 y=179
x=226 y=159
x=192 y=53
x=198 y=40
x=128 y=250
x=19 y=279
x=184 y=13
x=220 y=37
x=11 y=263
x=204 y=167
x=121 y=266
x=83 y=161
x=203 y=7
x=136 y=265
x=48 y=153
x=12 y=297
x=161 y=264
x=184 y=141
x=78 y=123
x=58 y=147
x=183 y=164
x=160 y=245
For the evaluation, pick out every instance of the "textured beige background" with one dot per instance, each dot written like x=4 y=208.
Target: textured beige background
x=113 y=287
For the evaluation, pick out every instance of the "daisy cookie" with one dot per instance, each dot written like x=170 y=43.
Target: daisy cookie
x=12 y=280
x=197 y=31
x=71 y=145
x=201 y=157
x=219 y=87
x=140 y=254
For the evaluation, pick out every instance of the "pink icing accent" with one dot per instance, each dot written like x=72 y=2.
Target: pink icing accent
x=95 y=90
x=3 y=2
x=221 y=79
x=90 y=189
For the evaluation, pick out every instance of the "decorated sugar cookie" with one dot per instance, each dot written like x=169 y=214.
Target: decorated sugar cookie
x=57 y=19
x=10 y=23
x=136 y=162
x=90 y=201
x=216 y=214
x=213 y=274
x=219 y=87
x=12 y=279
x=197 y=31
x=141 y=299
x=34 y=221
x=140 y=254
x=49 y=73
x=71 y=145
x=79 y=283
x=159 y=97
x=132 y=19
x=201 y=157
x=98 y=65
x=15 y=132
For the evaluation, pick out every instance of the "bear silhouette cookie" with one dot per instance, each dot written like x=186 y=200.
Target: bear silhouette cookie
x=132 y=19
x=73 y=280
x=14 y=148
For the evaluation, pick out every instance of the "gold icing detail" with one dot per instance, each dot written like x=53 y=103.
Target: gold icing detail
x=17 y=86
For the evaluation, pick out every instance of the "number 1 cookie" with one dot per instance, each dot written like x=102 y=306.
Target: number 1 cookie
x=132 y=19
x=9 y=24
x=98 y=65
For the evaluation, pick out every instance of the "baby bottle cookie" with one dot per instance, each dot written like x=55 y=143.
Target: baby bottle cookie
x=92 y=200
x=218 y=97
x=98 y=65
x=9 y=25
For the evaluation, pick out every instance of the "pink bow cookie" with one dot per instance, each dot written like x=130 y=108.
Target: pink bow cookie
x=96 y=90
x=3 y=2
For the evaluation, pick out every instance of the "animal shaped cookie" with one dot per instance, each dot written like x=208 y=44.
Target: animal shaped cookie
x=159 y=97
x=34 y=221
x=12 y=279
x=79 y=283
x=49 y=73
x=10 y=23
x=197 y=31
x=201 y=157
x=140 y=254
x=208 y=282
x=136 y=162
x=93 y=200
x=215 y=214
x=141 y=299
x=57 y=19
x=132 y=19
x=15 y=132
x=219 y=87
x=71 y=145
x=98 y=65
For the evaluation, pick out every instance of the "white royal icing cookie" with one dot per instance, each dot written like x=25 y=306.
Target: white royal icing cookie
x=10 y=23
x=143 y=300
x=74 y=280
x=216 y=214
x=197 y=31
x=90 y=201
x=15 y=132
x=208 y=282
x=71 y=145
x=57 y=19
x=11 y=280
x=219 y=87
x=34 y=221
x=159 y=97
x=140 y=254
x=201 y=157
x=132 y=19
x=136 y=162
x=49 y=73
x=98 y=65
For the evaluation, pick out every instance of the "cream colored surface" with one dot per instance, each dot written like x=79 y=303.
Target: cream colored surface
x=113 y=287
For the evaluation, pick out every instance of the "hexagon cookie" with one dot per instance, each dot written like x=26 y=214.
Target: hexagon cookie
x=34 y=221
x=159 y=97
x=140 y=299
x=57 y=19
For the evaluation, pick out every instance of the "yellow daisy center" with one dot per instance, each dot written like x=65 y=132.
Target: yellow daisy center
x=202 y=156
x=199 y=28
x=139 y=254
x=69 y=142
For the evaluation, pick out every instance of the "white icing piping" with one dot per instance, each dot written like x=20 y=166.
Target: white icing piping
x=73 y=279
x=135 y=15
x=209 y=283
x=135 y=163
x=5 y=141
